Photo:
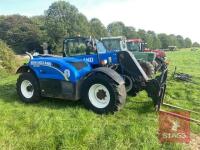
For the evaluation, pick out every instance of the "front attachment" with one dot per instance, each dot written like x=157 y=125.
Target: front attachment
x=156 y=88
x=130 y=65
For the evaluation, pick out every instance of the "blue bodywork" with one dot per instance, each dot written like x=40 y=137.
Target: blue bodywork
x=95 y=59
x=59 y=68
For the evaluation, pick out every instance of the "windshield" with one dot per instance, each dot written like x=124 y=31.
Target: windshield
x=74 y=47
x=80 y=46
x=100 y=47
x=112 y=44
x=133 y=46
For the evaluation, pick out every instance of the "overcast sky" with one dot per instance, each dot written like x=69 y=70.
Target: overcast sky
x=162 y=16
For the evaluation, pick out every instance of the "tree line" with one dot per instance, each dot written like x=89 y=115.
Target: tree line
x=62 y=19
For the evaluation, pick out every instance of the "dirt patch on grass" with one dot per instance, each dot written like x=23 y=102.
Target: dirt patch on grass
x=195 y=142
x=22 y=57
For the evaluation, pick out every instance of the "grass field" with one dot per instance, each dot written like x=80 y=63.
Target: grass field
x=58 y=124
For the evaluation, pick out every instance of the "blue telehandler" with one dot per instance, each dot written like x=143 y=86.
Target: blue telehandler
x=88 y=72
x=101 y=90
x=123 y=62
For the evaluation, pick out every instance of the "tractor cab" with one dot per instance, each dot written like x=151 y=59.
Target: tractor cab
x=90 y=50
x=136 y=45
x=120 y=43
x=140 y=44
x=114 y=43
x=82 y=46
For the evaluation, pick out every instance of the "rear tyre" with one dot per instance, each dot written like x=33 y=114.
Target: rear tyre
x=103 y=95
x=148 y=68
x=28 y=88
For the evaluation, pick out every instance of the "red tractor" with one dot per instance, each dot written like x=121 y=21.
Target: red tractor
x=159 y=53
x=141 y=44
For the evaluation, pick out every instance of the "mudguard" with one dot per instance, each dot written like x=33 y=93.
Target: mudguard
x=24 y=68
x=110 y=73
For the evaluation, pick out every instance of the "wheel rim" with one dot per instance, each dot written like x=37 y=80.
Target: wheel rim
x=128 y=83
x=27 y=89
x=99 y=95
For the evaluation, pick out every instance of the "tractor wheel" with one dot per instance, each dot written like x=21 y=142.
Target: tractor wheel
x=155 y=65
x=148 y=68
x=160 y=63
x=103 y=95
x=128 y=83
x=28 y=88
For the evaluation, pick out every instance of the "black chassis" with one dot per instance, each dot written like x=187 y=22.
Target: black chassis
x=155 y=87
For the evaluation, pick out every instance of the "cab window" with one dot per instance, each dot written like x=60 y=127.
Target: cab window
x=75 y=47
x=100 y=47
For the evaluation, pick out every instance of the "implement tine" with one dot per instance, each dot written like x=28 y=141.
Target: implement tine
x=181 y=117
x=177 y=107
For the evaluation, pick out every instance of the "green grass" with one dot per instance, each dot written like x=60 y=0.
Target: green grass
x=58 y=124
x=185 y=94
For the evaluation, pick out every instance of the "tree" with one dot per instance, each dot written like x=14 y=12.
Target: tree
x=39 y=21
x=150 y=39
x=2 y=18
x=97 y=29
x=20 y=33
x=156 y=43
x=116 y=28
x=188 y=43
x=195 y=44
x=8 y=59
x=130 y=32
x=142 y=34
x=81 y=26
x=61 y=19
x=164 y=39
x=181 y=42
x=173 y=40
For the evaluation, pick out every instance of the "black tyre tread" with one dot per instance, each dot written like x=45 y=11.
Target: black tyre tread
x=160 y=63
x=36 y=96
x=121 y=94
x=133 y=91
x=148 y=68
x=118 y=90
x=155 y=65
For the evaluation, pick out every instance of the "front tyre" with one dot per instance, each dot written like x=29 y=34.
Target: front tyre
x=148 y=68
x=103 y=95
x=128 y=83
x=28 y=88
